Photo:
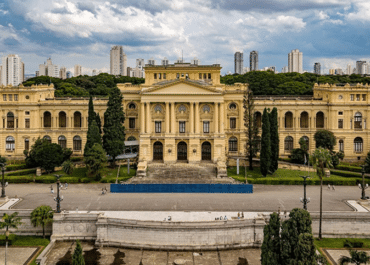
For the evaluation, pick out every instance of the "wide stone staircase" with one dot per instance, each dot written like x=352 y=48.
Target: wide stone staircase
x=159 y=173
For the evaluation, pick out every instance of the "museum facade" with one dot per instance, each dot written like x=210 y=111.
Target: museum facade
x=183 y=114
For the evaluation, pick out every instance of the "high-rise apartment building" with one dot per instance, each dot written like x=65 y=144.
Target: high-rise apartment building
x=349 y=69
x=338 y=71
x=317 y=68
x=12 y=70
x=360 y=67
x=78 y=70
x=140 y=63
x=253 y=60
x=246 y=70
x=63 y=73
x=295 y=61
x=238 y=63
x=331 y=71
x=164 y=61
x=49 y=69
x=284 y=69
x=118 y=61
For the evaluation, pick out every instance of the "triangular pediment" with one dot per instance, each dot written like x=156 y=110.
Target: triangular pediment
x=181 y=87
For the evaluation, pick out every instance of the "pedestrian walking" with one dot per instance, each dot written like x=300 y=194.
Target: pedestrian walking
x=52 y=190
x=332 y=187
x=66 y=185
x=328 y=186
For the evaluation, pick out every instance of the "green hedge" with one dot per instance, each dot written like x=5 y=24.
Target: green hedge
x=15 y=167
x=346 y=174
x=22 y=172
x=19 y=179
x=348 y=168
x=45 y=179
x=69 y=180
x=76 y=158
x=281 y=181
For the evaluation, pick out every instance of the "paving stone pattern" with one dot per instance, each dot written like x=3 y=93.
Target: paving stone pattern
x=181 y=173
x=17 y=255
x=62 y=253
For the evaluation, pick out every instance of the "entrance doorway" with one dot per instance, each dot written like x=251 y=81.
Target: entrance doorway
x=182 y=151
x=206 y=151
x=158 y=151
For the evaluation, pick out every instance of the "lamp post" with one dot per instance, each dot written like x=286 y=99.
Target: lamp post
x=363 y=187
x=305 y=200
x=6 y=243
x=3 y=184
x=58 y=199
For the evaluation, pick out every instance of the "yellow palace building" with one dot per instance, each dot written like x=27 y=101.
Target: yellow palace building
x=182 y=113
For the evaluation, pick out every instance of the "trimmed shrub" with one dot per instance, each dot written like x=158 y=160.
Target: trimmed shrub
x=346 y=174
x=18 y=179
x=349 y=168
x=353 y=243
x=69 y=180
x=45 y=179
x=76 y=158
x=15 y=167
x=22 y=172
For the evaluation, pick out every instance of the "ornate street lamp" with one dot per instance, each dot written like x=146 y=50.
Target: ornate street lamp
x=305 y=200
x=3 y=184
x=363 y=187
x=58 y=199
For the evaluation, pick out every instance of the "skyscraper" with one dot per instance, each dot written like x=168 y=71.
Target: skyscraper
x=295 y=61
x=140 y=63
x=360 y=67
x=238 y=63
x=253 y=60
x=63 y=73
x=78 y=70
x=349 y=69
x=12 y=70
x=49 y=69
x=317 y=68
x=118 y=61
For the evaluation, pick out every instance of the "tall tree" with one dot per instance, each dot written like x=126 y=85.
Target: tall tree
x=95 y=158
x=10 y=221
x=42 y=215
x=305 y=251
x=91 y=113
x=98 y=122
x=271 y=246
x=93 y=137
x=274 y=140
x=114 y=131
x=325 y=139
x=265 y=154
x=250 y=123
x=320 y=159
x=77 y=258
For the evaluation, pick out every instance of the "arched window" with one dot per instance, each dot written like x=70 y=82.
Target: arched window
x=131 y=106
x=233 y=144
x=232 y=106
x=206 y=108
x=26 y=144
x=182 y=108
x=62 y=119
x=10 y=120
x=258 y=117
x=341 y=145
x=47 y=138
x=62 y=141
x=77 y=119
x=288 y=120
x=358 y=145
x=77 y=143
x=358 y=120
x=306 y=141
x=10 y=143
x=131 y=138
x=288 y=143
x=47 y=119
x=304 y=119
x=158 y=108
x=320 y=120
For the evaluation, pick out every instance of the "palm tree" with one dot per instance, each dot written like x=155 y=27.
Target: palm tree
x=42 y=215
x=10 y=221
x=321 y=159
x=357 y=257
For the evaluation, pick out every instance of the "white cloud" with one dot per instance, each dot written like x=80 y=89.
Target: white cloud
x=323 y=15
x=362 y=11
x=275 y=24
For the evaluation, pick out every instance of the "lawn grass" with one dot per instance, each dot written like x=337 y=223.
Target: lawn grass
x=29 y=241
x=289 y=177
x=338 y=242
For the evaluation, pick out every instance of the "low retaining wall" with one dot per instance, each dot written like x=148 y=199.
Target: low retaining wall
x=181 y=188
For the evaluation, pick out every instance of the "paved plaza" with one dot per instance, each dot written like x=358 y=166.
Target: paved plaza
x=265 y=198
x=18 y=255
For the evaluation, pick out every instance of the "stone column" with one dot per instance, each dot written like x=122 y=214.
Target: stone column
x=148 y=121
x=222 y=118
x=241 y=116
x=197 y=117
x=142 y=118
x=191 y=120
x=173 y=118
x=216 y=119
x=167 y=117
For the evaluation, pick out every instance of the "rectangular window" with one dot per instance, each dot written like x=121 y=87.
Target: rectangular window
x=352 y=97
x=357 y=97
x=27 y=123
x=27 y=113
x=341 y=146
x=26 y=144
x=182 y=127
x=340 y=113
x=206 y=127
x=155 y=76
x=200 y=76
x=131 y=123
x=4 y=97
x=232 y=123
x=209 y=76
x=363 y=97
x=15 y=97
x=10 y=96
x=158 y=126
x=340 y=124
x=164 y=76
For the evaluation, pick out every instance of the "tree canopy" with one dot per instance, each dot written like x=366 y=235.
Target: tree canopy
x=42 y=215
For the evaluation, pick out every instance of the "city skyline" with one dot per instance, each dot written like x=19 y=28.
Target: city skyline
x=332 y=33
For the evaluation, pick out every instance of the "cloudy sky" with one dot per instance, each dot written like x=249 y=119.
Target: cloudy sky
x=332 y=32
